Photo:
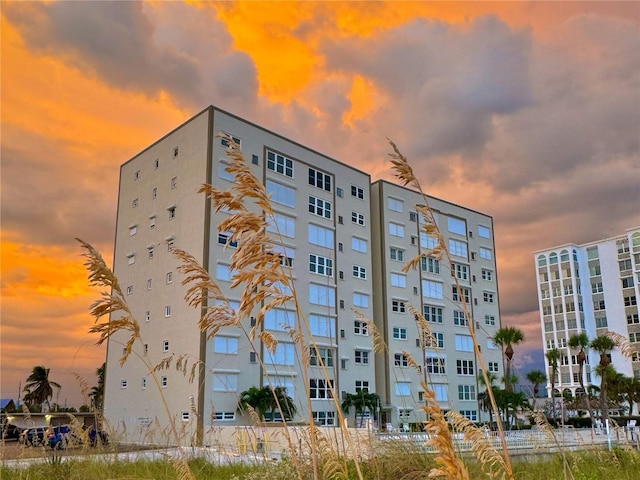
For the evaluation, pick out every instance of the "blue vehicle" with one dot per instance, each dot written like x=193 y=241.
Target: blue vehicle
x=97 y=437
x=33 y=436
x=60 y=437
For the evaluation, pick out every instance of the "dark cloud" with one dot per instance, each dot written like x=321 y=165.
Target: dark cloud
x=119 y=42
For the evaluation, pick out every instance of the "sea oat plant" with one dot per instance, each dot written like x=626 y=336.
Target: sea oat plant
x=265 y=283
x=404 y=173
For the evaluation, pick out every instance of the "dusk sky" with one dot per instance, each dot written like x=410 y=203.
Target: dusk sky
x=526 y=111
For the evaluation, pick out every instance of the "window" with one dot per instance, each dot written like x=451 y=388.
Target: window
x=225 y=239
x=395 y=205
x=398 y=280
x=174 y=182
x=466 y=392
x=488 y=297
x=164 y=382
x=165 y=346
x=399 y=333
x=223 y=171
x=428 y=241
x=224 y=141
x=487 y=274
x=324 y=419
x=361 y=357
x=396 y=230
x=362 y=386
x=279 y=320
x=319 y=179
x=463 y=293
x=396 y=254
x=627 y=282
x=432 y=314
x=357 y=192
x=284 y=354
x=228 y=345
x=320 y=388
x=152 y=221
x=144 y=383
x=339 y=192
x=568 y=289
x=403 y=389
x=319 y=207
x=486 y=253
x=357 y=218
x=471 y=415
x=624 y=265
x=460 y=271
x=360 y=328
x=594 y=270
x=435 y=365
x=147 y=316
x=321 y=325
x=596 y=287
x=430 y=265
x=279 y=164
x=634 y=337
x=282 y=224
x=630 y=301
x=225 y=415
x=131 y=258
x=358 y=245
x=322 y=295
x=359 y=272
x=281 y=194
x=490 y=320
x=455 y=225
x=398 y=306
x=435 y=340
x=320 y=265
x=324 y=354
x=440 y=391
x=154 y=193
x=123 y=383
x=459 y=318
x=432 y=289
x=598 y=305
x=225 y=382
x=148 y=284
x=320 y=236
x=484 y=232
x=133 y=230
x=223 y=272
x=167 y=310
x=129 y=289
x=633 y=319
x=464 y=343
x=413 y=216
x=457 y=248
x=156 y=164
x=494 y=367
x=400 y=360
x=172 y=212
x=134 y=203
x=465 y=367
x=360 y=300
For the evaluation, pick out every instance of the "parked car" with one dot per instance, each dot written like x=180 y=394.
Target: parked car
x=10 y=432
x=33 y=436
x=97 y=437
x=61 y=436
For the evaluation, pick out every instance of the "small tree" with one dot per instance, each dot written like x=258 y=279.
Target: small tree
x=536 y=377
x=39 y=389
x=265 y=400
x=97 y=392
x=603 y=345
x=506 y=338
x=553 y=356
x=360 y=401
x=581 y=341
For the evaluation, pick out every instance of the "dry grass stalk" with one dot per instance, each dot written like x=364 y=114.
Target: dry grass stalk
x=622 y=342
x=404 y=173
x=491 y=462
x=450 y=467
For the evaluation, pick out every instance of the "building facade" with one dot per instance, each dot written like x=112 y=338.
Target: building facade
x=327 y=225
x=590 y=288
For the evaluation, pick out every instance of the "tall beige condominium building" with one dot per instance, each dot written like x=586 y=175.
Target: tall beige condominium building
x=590 y=288
x=450 y=366
x=323 y=213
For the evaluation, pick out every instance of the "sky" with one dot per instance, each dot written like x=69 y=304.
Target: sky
x=526 y=111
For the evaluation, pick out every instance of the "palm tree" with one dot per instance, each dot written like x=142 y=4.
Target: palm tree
x=39 y=388
x=484 y=400
x=553 y=356
x=97 y=392
x=506 y=338
x=360 y=401
x=603 y=345
x=266 y=400
x=536 y=377
x=581 y=341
